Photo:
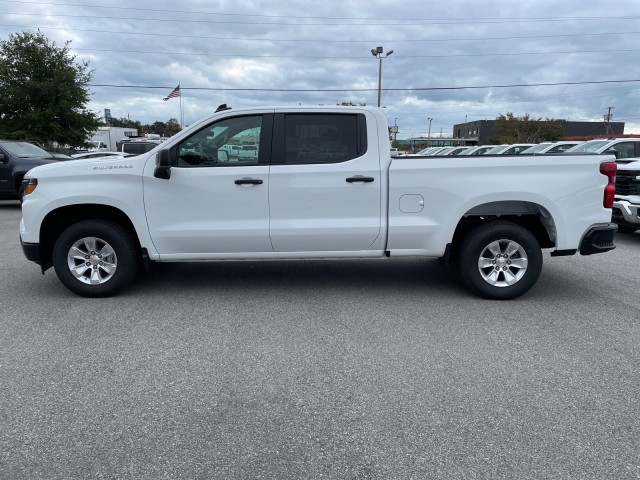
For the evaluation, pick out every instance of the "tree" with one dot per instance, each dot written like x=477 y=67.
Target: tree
x=173 y=127
x=166 y=129
x=126 y=123
x=511 y=129
x=43 y=92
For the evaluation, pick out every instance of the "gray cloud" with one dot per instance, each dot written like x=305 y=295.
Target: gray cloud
x=324 y=46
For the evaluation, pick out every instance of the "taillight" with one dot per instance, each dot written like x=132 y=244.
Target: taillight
x=609 y=169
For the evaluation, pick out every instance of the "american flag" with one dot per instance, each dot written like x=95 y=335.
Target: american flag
x=174 y=93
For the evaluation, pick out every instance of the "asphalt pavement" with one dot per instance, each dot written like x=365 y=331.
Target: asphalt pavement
x=371 y=369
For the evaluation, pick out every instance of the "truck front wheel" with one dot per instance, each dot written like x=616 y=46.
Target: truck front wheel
x=500 y=260
x=95 y=258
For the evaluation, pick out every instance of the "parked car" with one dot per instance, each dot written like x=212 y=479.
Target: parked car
x=479 y=149
x=458 y=151
x=435 y=151
x=551 y=147
x=88 y=155
x=513 y=149
x=60 y=156
x=443 y=151
x=232 y=150
x=16 y=159
x=626 y=203
x=136 y=147
x=248 y=152
x=620 y=147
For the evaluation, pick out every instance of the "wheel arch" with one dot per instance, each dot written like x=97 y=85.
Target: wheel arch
x=530 y=215
x=56 y=221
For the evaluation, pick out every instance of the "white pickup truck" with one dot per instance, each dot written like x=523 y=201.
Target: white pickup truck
x=626 y=205
x=324 y=186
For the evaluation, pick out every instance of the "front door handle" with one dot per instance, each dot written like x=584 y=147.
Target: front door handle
x=248 y=181
x=360 y=178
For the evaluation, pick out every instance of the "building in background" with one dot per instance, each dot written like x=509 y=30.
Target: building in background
x=481 y=132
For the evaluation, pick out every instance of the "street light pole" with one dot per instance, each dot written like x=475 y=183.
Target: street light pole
x=429 y=134
x=378 y=52
x=395 y=132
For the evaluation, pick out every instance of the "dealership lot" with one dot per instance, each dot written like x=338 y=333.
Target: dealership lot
x=344 y=369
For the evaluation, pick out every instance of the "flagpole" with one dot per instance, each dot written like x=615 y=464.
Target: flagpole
x=181 y=111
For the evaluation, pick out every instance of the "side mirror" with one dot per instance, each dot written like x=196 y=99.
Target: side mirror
x=2 y=158
x=163 y=165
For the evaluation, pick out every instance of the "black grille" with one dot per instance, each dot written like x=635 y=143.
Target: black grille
x=626 y=183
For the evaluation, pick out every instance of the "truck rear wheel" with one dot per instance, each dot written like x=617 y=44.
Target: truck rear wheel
x=500 y=260
x=95 y=258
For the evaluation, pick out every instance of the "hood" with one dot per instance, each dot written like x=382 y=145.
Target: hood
x=80 y=165
x=35 y=161
x=628 y=164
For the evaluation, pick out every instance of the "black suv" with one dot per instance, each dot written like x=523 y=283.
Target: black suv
x=16 y=159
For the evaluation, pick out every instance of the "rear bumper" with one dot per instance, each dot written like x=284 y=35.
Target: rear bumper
x=598 y=239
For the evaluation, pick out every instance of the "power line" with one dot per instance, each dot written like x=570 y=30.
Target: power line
x=324 y=24
x=345 y=57
x=429 y=20
x=475 y=39
x=408 y=89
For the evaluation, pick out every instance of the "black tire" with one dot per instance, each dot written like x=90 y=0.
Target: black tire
x=500 y=260
x=21 y=194
x=626 y=229
x=110 y=263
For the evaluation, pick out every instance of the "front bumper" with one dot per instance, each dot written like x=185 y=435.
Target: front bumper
x=626 y=213
x=31 y=251
x=598 y=239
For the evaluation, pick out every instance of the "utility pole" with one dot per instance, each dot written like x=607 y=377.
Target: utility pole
x=607 y=122
x=378 y=53
x=429 y=134
x=395 y=132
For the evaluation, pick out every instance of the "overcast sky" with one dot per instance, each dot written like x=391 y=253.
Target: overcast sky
x=448 y=63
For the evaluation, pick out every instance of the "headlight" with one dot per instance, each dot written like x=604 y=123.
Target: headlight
x=29 y=185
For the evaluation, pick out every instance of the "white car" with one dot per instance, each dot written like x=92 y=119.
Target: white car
x=87 y=155
x=232 y=150
x=551 y=147
x=620 y=147
x=248 y=152
x=479 y=149
x=513 y=149
x=459 y=151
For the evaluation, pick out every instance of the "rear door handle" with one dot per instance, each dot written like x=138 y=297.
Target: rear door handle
x=248 y=181
x=360 y=178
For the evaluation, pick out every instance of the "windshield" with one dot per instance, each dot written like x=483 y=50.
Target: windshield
x=537 y=148
x=588 y=147
x=24 y=149
x=494 y=150
x=460 y=150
